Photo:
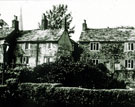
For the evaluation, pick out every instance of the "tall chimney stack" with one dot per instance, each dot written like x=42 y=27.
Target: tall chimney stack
x=21 y=20
x=44 y=22
x=84 y=26
x=15 y=23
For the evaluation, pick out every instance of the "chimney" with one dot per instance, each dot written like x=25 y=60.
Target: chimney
x=44 y=22
x=64 y=23
x=21 y=20
x=15 y=23
x=84 y=26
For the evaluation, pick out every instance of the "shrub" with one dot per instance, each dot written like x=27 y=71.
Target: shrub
x=37 y=94
x=69 y=73
x=79 y=74
x=51 y=95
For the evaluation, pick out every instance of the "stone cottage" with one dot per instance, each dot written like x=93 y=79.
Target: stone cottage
x=7 y=34
x=40 y=46
x=114 y=47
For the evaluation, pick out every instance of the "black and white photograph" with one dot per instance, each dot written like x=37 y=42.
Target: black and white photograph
x=67 y=53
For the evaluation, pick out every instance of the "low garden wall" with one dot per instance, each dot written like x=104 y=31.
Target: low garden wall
x=52 y=95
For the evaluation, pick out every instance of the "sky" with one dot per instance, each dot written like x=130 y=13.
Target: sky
x=97 y=13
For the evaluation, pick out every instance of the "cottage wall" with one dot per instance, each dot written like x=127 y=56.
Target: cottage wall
x=37 y=52
x=1 y=51
x=111 y=64
x=47 y=50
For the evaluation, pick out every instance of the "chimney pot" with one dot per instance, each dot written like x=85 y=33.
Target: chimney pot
x=84 y=26
x=44 y=22
x=15 y=23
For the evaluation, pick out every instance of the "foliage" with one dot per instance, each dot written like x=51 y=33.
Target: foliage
x=69 y=73
x=50 y=95
x=87 y=55
x=26 y=74
x=78 y=74
x=109 y=51
x=56 y=15
x=38 y=94
x=62 y=52
x=113 y=51
x=76 y=54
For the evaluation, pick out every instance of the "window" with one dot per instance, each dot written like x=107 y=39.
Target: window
x=49 y=45
x=94 y=46
x=27 y=45
x=130 y=46
x=117 y=66
x=46 y=59
x=129 y=63
x=25 y=60
x=94 y=61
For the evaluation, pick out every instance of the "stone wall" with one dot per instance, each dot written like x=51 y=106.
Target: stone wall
x=118 y=63
x=37 y=52
x=1 y=51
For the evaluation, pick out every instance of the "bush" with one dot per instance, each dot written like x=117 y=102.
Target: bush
x=21 y=74
x=51 y=95
x=37 y=94
x=78 y=74
x=69 y=73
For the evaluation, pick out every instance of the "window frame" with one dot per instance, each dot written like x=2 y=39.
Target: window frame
x=47 y=59
x=24 y=60
x=130 y=46
x=94 y=46
x=129 y=64
x=49 y=45
x=95 y=61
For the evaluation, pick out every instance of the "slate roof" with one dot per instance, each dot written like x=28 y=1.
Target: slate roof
x=41 y=35
x=4 y=29
x=4 y=32
x=108 y=34
x=3 y=23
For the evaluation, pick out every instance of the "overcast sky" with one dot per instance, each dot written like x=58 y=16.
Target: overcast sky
x=98 y=13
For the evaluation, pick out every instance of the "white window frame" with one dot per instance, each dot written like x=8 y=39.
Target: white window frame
x=117 y=66
x=129 y=46
x=129 y=64
x=47 y=59
x=94 y=46
x=25 y=60
x=95 y=61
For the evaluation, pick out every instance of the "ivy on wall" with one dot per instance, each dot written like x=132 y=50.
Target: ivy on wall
x=108 y=51
x=113 y=51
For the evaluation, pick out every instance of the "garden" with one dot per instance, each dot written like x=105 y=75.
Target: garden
x=65 y=83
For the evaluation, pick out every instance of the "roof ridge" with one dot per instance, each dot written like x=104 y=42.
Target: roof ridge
x=120 y=27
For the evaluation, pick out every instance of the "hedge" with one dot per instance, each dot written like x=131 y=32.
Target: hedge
x=52 y=95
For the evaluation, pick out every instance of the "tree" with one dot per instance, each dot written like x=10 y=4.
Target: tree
x=56 y=15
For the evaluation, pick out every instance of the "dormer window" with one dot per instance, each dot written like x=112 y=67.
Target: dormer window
x=94 y=46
